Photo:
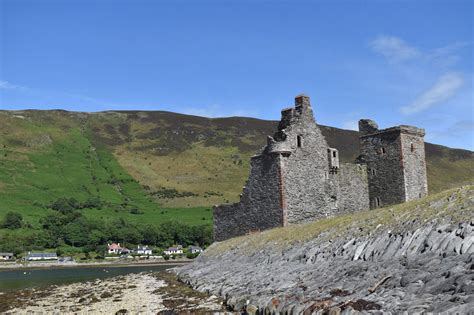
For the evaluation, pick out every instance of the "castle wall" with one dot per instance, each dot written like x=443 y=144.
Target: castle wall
x=351 y=189
x=413 y=154
x=297 y=178
x=381 y=152
x=261 y=204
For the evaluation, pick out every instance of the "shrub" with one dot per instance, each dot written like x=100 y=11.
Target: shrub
x=135 y=211
x=190 y=255
x=13 y=220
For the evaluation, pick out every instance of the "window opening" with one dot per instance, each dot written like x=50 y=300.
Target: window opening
x=299 y=141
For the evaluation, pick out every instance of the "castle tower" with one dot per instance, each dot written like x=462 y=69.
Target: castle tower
x=395 y=159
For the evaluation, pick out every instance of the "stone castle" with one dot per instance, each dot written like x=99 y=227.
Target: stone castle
x=297 y=177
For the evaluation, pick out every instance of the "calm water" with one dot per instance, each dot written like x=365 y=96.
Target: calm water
x=37 y=278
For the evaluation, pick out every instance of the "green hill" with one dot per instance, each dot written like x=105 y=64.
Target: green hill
x=151 y=167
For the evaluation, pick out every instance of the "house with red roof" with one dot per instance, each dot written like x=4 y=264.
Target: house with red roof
x=114 y=248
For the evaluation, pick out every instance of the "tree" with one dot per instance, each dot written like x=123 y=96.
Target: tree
x=13 y=220
x=76 y=234
x=92 y=202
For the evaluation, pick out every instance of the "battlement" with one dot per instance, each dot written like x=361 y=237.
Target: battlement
x=369 y=128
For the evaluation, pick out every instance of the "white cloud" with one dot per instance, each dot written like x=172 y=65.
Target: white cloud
x=448 y=50
x=444 y=88
x=5 y=85
x=394 y=49
x=351 y=125
x=216 y=111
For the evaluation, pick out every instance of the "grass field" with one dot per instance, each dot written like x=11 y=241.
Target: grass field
x=35 y=172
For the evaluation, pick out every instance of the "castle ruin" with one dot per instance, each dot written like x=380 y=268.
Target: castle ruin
x=297 y=177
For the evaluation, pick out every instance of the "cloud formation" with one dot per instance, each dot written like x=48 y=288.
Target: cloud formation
x=443 y=89
x=5 y=85
x=394 y=49
x=217 y=111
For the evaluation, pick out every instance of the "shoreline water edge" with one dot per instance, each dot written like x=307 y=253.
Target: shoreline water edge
x=145 y=292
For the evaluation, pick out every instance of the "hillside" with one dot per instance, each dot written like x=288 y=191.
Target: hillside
x=166 y=165
x=414 y=257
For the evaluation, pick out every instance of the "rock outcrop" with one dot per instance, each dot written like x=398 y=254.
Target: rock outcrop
x=414 y=257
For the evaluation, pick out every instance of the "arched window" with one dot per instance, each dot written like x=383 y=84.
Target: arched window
x=412 y=147
x=299 y=141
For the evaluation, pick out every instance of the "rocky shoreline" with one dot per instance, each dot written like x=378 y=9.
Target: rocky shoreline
x=142 y=293
x=415 y=258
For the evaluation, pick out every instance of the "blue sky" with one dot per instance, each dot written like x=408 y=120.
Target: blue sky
x=397 y=62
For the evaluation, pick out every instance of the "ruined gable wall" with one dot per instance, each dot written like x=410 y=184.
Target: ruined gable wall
x=416 y=184
x=260 y=205
x=306 y=170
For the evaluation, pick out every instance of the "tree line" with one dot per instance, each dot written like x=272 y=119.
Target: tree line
x=68 y=226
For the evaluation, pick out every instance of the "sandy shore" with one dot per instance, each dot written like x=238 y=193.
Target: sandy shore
x=143 y=293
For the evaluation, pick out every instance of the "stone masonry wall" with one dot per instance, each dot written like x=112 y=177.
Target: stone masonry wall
x=351 y=189
x=413 y=148
x=306 y=169
x=260 y=206
x=381 y=152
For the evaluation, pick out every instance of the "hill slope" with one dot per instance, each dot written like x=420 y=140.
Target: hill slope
x=153 y=160
x=414 y=257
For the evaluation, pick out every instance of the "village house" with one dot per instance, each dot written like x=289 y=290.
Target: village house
x=195 y=249
x=6 y=256
x=177 y=250
x=41 y=256
x=116 y=249
x=143 y=250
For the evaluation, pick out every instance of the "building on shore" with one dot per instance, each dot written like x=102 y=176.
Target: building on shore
x=298 y=178
x=41 y=256
x=7 y=256
x=143 y=250
x=174 y=250
x=195 y=249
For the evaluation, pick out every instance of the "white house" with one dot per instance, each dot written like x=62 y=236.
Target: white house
x=143 y=250
x=116 y=249
x=6 y=256
x=41 y=256
x=195 y=249
x=178 y=250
